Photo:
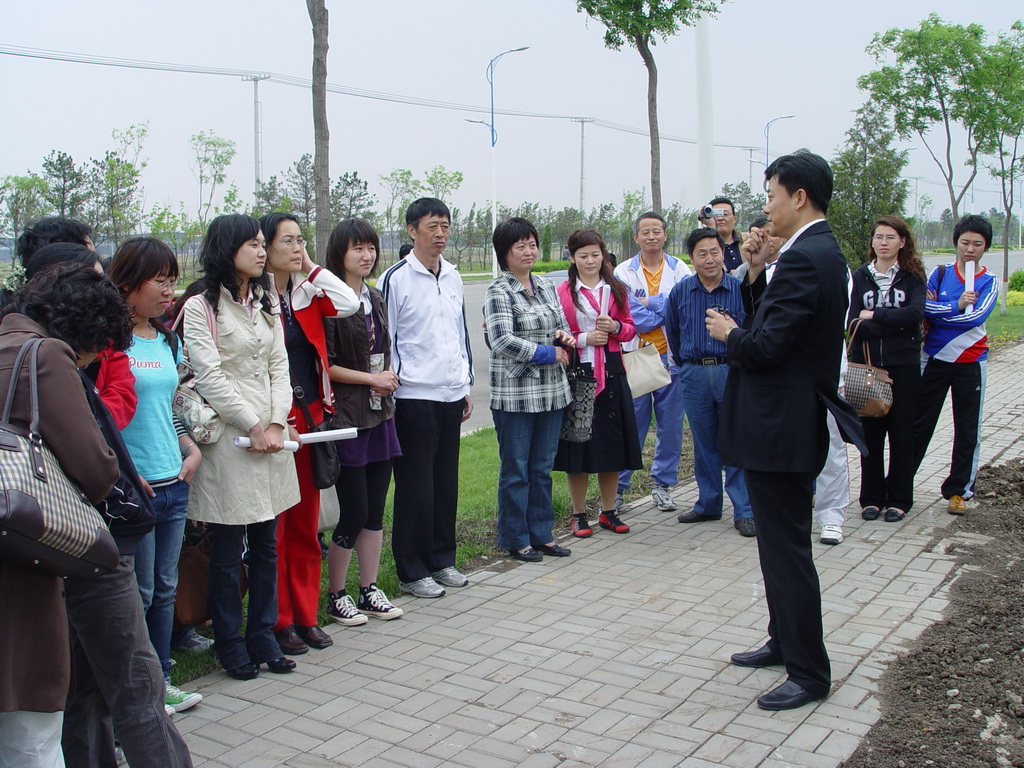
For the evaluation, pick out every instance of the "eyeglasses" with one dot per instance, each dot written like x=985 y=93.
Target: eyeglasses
x=288 y=241
x=164 y=285
x=885 y=238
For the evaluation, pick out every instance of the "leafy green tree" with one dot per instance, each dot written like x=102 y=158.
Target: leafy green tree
x=867 y=181
x=115 y=186
x=182 y=234
x=402 y=188
x=545 y=243
x=350 y=197
x=24 y=199
x=271 y=195
x=929 y=81
x=212 y=156
x=1001 y=132
x=301 y=187
x=640 y=24
x=67 y=184
x=442 y=182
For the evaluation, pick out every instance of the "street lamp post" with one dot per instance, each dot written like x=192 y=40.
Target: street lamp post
x=494 y=160
x=767 y=134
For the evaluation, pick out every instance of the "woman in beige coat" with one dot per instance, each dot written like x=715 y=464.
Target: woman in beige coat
x=236 y=345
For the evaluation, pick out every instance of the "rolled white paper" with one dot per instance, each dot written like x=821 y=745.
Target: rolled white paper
x=245 y=442
x=969 y=281
x=328 y=436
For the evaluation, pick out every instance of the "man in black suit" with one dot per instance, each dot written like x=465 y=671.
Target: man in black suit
x=785 y=375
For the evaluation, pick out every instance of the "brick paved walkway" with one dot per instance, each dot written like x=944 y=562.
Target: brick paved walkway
x=616 y=656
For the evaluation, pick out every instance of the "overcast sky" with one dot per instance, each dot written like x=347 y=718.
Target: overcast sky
x=771 y=58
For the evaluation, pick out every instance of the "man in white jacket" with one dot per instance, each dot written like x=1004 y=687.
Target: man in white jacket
x=650 y=276
x=430 y=354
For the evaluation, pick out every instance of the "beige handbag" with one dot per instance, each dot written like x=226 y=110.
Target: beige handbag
x=644 y=370
x=867 y=388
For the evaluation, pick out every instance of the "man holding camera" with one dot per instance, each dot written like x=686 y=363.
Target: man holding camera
x=720 y=214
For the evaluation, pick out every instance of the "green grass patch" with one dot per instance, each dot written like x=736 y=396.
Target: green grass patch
x=1005 y=329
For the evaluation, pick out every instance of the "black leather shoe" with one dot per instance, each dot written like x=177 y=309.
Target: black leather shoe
x=789 y=695
x=280 y=665
x=247 y=671
x=762 y=657
x=290 y=641
x=746 y=527
x=314 y=637
x=870 y=513
x=529 y=556
x=694 y=517
x=553 y=549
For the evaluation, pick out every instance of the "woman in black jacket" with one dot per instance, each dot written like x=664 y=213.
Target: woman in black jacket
x=888 y=298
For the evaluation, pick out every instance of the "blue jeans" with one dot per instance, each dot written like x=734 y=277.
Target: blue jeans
x=667 y=405
x=703 y=388
x=156 y=566
x=259 y=643
x=527 y=443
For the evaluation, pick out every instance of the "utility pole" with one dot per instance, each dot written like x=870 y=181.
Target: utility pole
x=583 y=165
x=257 y=128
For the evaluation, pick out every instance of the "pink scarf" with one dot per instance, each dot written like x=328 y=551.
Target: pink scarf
x=600 y=305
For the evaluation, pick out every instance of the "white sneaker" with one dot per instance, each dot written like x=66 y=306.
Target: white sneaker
x=425 y=587
x=619 y=504
x=168 y=709
x=663 y=498
x=180 y=700
x=831 y=534
x=449 y=577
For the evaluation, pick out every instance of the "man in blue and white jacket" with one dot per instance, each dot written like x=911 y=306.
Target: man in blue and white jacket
x=430 y=354
x=650 y=277
x=955 y=356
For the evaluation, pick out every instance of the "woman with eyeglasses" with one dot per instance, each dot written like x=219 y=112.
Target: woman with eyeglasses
x=307 y=294
x=888 y=299
x=146 y=272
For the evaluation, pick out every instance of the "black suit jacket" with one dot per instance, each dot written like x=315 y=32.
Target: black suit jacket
x=785 y=363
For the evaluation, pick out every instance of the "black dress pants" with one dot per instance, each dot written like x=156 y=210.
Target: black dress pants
x=782 y=510
x=426 y=486
x=894 y=488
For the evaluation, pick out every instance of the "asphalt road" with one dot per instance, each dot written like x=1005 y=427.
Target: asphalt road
x=475 y=290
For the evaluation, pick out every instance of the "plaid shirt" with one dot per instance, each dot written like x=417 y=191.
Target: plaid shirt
x=517 y=322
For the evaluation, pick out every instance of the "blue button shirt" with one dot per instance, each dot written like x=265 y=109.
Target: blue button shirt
x=688 y=303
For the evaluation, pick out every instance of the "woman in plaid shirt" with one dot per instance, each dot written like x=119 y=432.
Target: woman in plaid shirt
x=527 y=336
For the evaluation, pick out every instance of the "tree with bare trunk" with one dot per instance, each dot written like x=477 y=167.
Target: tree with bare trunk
x=641 y=23
x=321 y=133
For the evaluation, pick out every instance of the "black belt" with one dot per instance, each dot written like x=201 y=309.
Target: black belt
x=705 y=361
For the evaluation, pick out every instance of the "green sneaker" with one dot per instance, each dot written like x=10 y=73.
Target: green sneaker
x=179 y=699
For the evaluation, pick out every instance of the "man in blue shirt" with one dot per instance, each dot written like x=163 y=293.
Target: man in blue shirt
x=702 y=372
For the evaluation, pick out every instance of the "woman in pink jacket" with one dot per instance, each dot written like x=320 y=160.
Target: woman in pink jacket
x=597 y=308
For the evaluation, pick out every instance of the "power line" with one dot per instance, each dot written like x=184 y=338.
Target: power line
x=298 y=82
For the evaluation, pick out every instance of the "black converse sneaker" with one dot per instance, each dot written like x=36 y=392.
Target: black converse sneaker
x=373 y=602
x=341 y=608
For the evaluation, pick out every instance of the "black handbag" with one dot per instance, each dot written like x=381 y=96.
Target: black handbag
x=578 y=416
x=46 y=522
x=324 y=456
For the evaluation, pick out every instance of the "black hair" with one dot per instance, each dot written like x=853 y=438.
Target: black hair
x=807 y=171
x=581 y=238
x=60 y=253
x=404 y=250
x=426 y=206
x=137 y=260
x=77 y=305
x=225 y=235
x=507 y=234
x=702 y=233
x=726 y=200
x=648 y=215
x=52 y=229
x=269 y=222
x=346 y=234
x=761 y=222
x=976 y=224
